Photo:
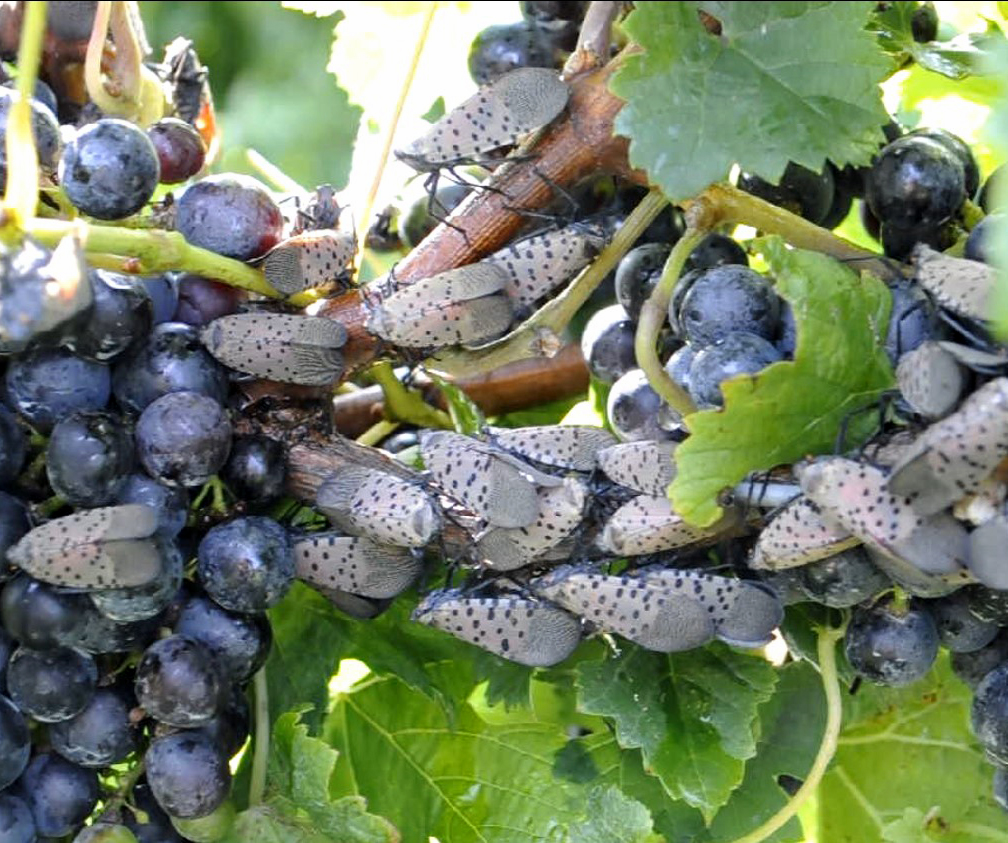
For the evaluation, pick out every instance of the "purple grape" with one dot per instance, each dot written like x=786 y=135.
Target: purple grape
x=51 y=685
x=638 y=274
x=88 y=458
x=44 y=386
x=180 y=149
x=16 y=823
x=256 y=470
x=110 y=169
x=188 y=774
x=6 y=648
x=178 y=682
x=632 y=408
x=164 y=294
x=800 y=191
x=246 y=565
x=725 y=300
x=136 y=604
x=183 y=438
x=735 y=354
x=239 y=642
x=230 y=214
x=155 y=827
x=715 y=250
x=15 y=742
x=607 y=344
x=122 y=313
x=501 y=48
x=171 y=502
x=201 y=300
x=100 y=734
x=13 y=447
x=41 y=615
x=891 y=648
x=59 y=794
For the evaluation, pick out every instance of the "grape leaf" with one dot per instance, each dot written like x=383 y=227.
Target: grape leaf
x=692 y=714
x=469 y=780
x=299 y=806
x=793 y=408
x=908 y=769
x=791 y=81
x=465 y=414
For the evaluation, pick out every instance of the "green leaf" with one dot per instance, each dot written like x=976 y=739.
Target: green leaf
x=299 y=806
x=435 y=112
x=794 y=408
x=692 y=715
x=465 y=415
x=795 y=81
x=467 y=781
x=908 y=768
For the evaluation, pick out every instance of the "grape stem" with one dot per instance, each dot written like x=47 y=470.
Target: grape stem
x=652 y=318
x=539 y=336
x=147 y=252
x=21 y=194
x=592 y=48
x=378 y=431
x=826 y=646
x=406 y=405
x=261 y=746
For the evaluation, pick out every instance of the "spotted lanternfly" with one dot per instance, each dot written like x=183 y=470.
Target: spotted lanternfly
x=744 y=613
x=797 y=535
x=560 y=512
x=312 y=259
x=930 y=380
x=648 y=524
x=954 y=456
x=645 y=466
x=987 y=553
x=109 y=547
x=283 y=347
x=463 y=306
x=488 y=481
x=379 y=506
x=497 y=115
x=321 y=211
x=573 y=447
x=355 y=564
x=520 y=629
x=961 y=286
x=652 y=616
x=855 y=495
x=539 y=264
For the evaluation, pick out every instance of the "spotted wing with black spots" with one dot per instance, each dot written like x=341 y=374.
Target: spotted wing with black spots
x=379 y=506
x=930 y=380
x=648 y=524
x=109 y=547
x=645 y=466
x=286 y=347
x=497 y=115
x=520 y=629
x=962 y=286
x=797 y=535
x=574 y=447
x=355 y=564
x=652 y=616
x=311 y=259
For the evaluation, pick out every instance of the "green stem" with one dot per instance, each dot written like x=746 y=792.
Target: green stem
x=406 y=405
x=378 y=431
x=50 y=505
x=126 y=783
x=827 y=747
x=539 y=335
x=653 y=316
x=260 y=749
x=147 y=252
x=21 y=195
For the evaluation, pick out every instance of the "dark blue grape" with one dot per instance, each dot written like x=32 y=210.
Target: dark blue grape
x=560 y=21
x=501 y=48
x=15 y=742
x=246 y=565
x=183 y=438
x=163 y=291
x=725 y=300
x=136 y=604
x=110 y=169
x=98 y=634
x=101 y=734
x=229 y=729
x=960 y=149
x=400 y=441
x=178 y=682
x=13 y=449
x=838 y=209
x=715 y=250
x=989 y=715
x=915 y=183
x=912 y=320
x=981 y=238
x=800 y=191
x=239 y=642
x=6 y=648
x=46 y=385
x=678 y=365
x=40 y=615
x=45 y=128
x=122 y=314
x=188 y=774
x=924 y=23
x=51 y=685
x=632 y=408
x=59 y=794
x=898 y=243
x=787 y=339
x=88 y=458
x=638 y=274
x=607 y=344
x=959 y=630
x=201 y=300
x=155 y=827
x=843 y=580
x=230 y=214
x=682 y=287
x=171 y=359
x=256 y=469
x=16 y=823
x=891 y=648
x=170 y=502
x=180 y=149
x=13 y=525
x=736 y=354
x=972 y=667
